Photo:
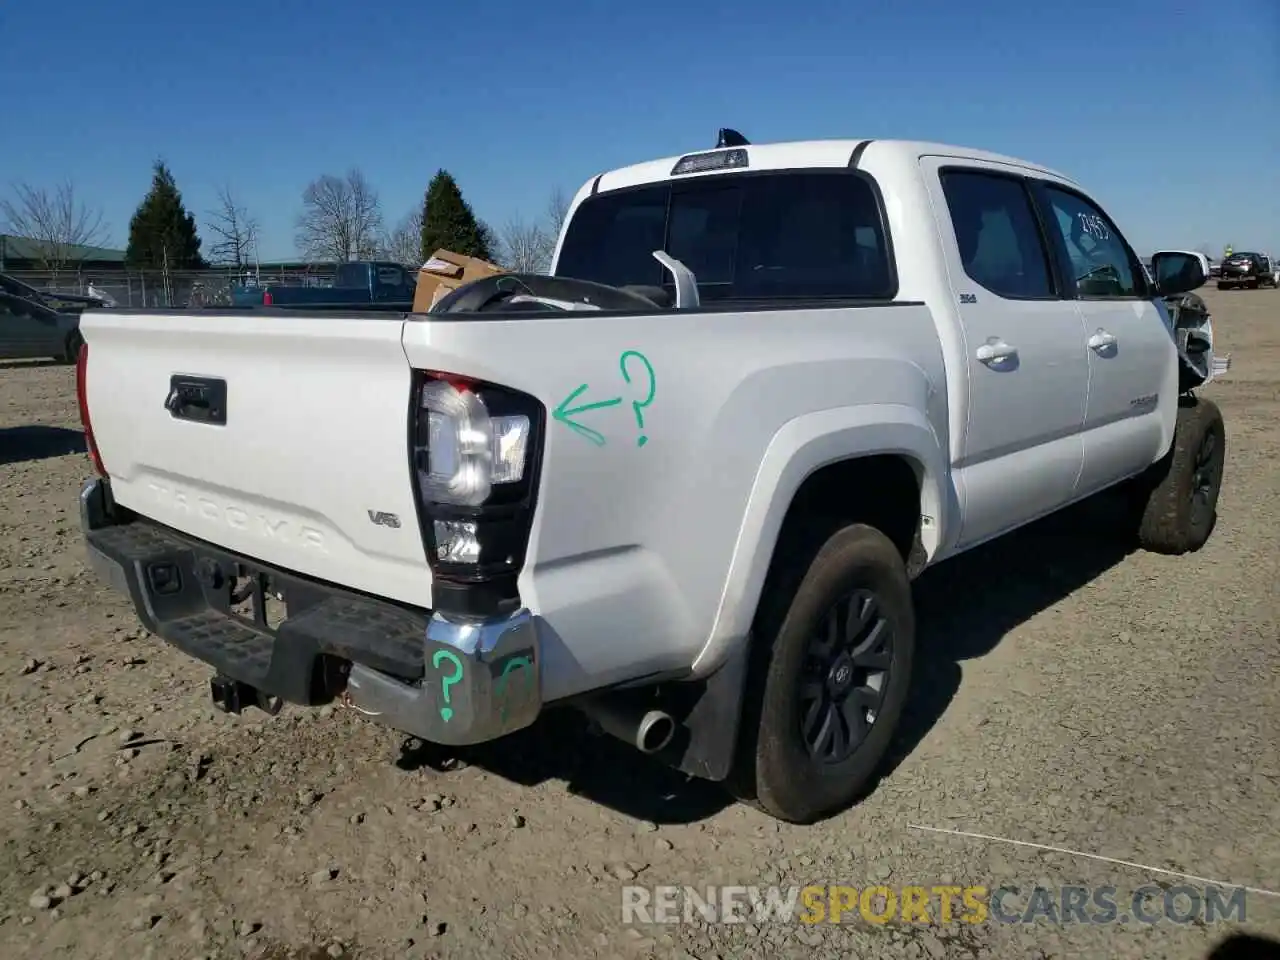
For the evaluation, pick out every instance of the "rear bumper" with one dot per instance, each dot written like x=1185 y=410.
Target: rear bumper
x=447 y=681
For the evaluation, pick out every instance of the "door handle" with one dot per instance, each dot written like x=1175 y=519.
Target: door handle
x=995 y=352
x=1101 y=340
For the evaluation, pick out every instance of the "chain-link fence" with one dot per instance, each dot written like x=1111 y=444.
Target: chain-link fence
x=175 y=289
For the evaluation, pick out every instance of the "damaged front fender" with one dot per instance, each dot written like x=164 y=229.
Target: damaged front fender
x=1188 y=319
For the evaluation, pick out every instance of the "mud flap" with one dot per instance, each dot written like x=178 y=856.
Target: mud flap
x=711 y=722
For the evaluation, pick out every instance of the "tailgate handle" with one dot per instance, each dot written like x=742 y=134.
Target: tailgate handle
x=201 y=399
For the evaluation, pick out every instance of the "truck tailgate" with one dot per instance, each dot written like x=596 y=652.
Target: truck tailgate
x=310 y=471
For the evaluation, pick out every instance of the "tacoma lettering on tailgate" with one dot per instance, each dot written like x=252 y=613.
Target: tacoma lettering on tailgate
x=255 y=521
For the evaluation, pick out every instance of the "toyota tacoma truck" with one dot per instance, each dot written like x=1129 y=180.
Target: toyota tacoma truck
x=681 y=484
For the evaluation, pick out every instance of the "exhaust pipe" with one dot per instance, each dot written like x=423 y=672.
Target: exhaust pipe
x=647 y=730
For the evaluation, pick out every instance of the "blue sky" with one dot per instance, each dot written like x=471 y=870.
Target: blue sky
x=1167 y=112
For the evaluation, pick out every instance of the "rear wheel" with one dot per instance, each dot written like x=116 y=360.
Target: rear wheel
x=1176 y=501
x=74 y=343
x=830 y=679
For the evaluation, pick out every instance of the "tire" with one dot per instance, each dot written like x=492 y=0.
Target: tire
x=1254 y=284
x=1176 y=501
x=856 y=577
x=74 y=342
x=1223 y=286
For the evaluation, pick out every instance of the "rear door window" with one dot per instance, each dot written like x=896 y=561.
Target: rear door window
x=777 y=236
x=999 y=239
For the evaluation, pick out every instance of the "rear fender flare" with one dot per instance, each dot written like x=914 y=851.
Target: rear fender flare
x=802 y=446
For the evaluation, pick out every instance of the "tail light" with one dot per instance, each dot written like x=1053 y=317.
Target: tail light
x=266 y=298
x=82 y=398
x=476 y=451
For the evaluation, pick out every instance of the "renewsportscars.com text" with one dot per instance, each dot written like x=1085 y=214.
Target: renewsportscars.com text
x=941 y=903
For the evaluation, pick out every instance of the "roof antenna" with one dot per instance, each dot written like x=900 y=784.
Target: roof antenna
x=731 y=138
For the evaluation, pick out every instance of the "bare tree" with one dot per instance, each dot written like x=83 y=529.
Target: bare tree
x=236 y=231
x=524 y=247
x=528 y=246
x=340 y=219
x=60 y=225
x=404 y=243
x=557 y=210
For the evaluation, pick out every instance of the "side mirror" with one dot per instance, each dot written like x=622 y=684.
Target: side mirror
x=1178 y=271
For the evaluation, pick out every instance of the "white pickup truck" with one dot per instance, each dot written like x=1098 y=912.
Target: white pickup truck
x=683 y=484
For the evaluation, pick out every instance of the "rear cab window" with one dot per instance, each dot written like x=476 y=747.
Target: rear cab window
x=776 y=235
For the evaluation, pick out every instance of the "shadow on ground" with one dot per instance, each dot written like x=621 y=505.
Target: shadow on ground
x=964 y=607
x=967 y=605
x=19 y=444
x=28 y=364
x=1243 y=946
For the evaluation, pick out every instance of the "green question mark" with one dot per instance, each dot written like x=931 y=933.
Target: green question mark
x=515 y=663
x=639 y=405
x=447 y=682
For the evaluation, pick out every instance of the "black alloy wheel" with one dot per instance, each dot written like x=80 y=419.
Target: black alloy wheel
x=845 y=676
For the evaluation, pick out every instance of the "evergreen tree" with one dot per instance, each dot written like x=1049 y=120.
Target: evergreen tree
x=449 y=223
x=162 y=231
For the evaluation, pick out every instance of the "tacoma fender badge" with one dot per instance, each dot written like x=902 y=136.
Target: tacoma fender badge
x=1148 y=402
x=384 y=519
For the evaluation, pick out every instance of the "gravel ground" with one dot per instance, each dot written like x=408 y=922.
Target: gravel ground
x=1074 y=696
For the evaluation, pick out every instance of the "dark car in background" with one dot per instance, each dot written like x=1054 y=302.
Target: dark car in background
x=61 y=302
x=362 y=284
x=31 y=330
x=1249 y=269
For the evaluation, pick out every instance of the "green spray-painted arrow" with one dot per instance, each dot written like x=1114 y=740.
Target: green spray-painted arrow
x=565 y=413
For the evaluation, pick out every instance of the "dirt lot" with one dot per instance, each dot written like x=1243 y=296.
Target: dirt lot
x=1126 y=706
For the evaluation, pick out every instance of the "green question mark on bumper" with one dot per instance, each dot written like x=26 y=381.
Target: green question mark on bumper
x=446 y=712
